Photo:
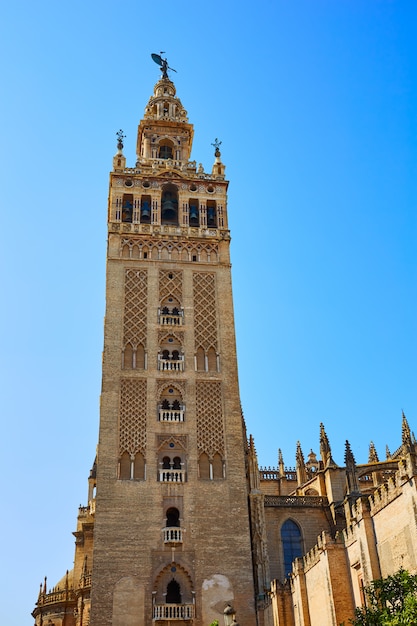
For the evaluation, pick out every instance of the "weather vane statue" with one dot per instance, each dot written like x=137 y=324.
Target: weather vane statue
x=216 y=145
x=163 y=63
x=120 y=136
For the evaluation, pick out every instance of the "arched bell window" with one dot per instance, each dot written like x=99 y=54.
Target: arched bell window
x=127 y=207
x=169 y=205
x=194 y=214
x=145 y=209
x=165 y=150
x=211 y=214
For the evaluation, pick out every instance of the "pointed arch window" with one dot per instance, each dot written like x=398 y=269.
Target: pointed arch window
x=173 y=592
x=291 y=544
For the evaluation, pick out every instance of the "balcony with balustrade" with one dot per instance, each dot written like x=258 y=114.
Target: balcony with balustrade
x=172 y=534
x=172 y=475
x=171 y=317
x=173 y=611
x=168 y=363
x=171 y=412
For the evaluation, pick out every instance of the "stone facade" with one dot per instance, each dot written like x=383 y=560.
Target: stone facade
x=182 y=526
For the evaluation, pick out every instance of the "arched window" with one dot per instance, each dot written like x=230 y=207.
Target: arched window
x=128 y=357
x=139 y=467
x=173 y=593
x=212 y=360
x=140 y=357
x=204 y=466
x=201 y=360
x=217 y=467
x=173 y=518
x=125 y=465
x=166 y=462
x=291 y=544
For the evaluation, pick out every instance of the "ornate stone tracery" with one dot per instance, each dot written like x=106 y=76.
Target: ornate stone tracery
x=135 y=308
x=170 y=285
x=132 y=416
x=205 y=321
x=209 y=409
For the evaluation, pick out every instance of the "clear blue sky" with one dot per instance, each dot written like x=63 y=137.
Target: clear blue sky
x=315 y=103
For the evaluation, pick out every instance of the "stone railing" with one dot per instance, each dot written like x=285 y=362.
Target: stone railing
x=169 y=319
x=173 y=611
x=172 y=476
x=171 y=415
x=268 y=473
x=172 y=534
x=116 y=225
x=55 y=597
x=305 y=501
x=165 y=365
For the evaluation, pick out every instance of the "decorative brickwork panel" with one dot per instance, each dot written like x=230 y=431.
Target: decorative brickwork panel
x=210 y=432
x=176 y=384
x=132 y=423
x=135 y=311
x=165 y=334
x=161 y=250
x=205 y=321
x=170 y=285
x=179 y=440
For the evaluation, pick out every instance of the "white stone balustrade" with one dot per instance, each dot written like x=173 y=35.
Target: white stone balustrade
x=165 y=365
x=172 y=476
x=173 y=611
x=172 y=534
x=171 y=415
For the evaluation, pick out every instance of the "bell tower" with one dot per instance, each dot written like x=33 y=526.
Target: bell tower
x=171 y=534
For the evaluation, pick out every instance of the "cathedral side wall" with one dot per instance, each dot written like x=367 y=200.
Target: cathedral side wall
x=328 y=598
x=396 y=531
x=311 y=522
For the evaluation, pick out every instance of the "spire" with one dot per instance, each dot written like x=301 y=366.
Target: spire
x=300 y=465
x=406 y=433
x=281 y=466
x=351 y=476
x=325 y=450
x=254 y=480
x=349 y=458
x=387 y=452
x=373 y=455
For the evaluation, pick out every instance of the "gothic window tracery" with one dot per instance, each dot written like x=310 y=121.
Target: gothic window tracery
x=291 y=544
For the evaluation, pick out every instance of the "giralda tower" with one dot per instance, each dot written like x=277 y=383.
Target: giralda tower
x=171 y=530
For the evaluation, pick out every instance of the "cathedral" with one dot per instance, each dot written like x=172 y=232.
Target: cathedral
x=181 y=526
